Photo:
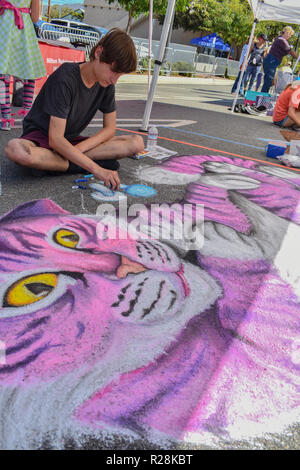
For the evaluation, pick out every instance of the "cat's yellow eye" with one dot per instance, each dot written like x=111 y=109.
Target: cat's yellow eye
x=66 y=237
x=30 y=289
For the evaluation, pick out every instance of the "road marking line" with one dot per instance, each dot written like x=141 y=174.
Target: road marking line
x=137 y=122
x=263 y=162
x=215 y=138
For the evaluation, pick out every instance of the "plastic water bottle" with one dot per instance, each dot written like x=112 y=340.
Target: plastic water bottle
x=152 y=138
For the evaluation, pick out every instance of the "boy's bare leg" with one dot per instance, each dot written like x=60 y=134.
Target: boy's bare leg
x=27 y=153
x=117 y=147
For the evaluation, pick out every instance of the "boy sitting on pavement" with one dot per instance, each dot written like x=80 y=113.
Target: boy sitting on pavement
x=65 y=106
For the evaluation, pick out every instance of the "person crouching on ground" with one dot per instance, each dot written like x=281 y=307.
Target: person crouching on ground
x=286 y=112
x=65 y=106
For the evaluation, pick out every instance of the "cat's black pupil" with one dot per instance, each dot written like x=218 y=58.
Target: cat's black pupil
x=72 y=238
x=38 y=288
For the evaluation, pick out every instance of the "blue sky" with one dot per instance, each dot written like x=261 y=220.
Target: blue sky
x=63 y=2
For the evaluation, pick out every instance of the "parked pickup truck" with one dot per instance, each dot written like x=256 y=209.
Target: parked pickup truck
x=75 y=32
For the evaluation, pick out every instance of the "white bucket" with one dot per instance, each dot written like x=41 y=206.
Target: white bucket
x=295 y=147
x=290 y=160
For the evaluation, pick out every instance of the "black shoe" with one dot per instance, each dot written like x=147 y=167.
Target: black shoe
x=238 y=108
x=113 y=165
x=39 y=173
x=254 y=110
x=243 y=109
x=261 y=108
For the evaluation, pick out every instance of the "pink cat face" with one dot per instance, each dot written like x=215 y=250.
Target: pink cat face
x=67 y=296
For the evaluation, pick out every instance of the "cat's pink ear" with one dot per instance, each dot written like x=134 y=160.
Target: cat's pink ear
x=36 y=208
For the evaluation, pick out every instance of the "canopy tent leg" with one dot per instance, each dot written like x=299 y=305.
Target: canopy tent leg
x=259 y=3
x=244 y=66
x=157 y=63
x=150 y=41
x=297 y=61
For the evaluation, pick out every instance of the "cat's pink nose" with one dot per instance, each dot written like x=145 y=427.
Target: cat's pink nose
x=128 y=266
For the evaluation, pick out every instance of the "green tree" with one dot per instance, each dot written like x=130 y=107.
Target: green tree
x=273 y=28
x=60 y=12
x=54 y=12
x=78 y=15
x=66 y=11
x=231 y=19
x=136 y=8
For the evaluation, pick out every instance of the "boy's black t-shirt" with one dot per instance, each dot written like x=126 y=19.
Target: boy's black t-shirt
x=64 y=95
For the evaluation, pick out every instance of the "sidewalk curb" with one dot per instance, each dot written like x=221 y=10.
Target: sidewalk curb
x=178 y=80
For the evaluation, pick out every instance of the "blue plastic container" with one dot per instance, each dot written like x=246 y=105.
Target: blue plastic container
x=273 y=150
x=251 y=94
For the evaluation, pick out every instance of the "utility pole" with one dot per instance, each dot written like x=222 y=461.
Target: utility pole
x=49 y=10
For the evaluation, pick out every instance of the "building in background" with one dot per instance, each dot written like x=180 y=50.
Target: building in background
x=101 y=13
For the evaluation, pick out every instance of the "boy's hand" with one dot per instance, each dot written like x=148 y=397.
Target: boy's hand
x=111 y=178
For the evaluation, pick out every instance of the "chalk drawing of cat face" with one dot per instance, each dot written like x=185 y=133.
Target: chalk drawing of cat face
x=69 y=300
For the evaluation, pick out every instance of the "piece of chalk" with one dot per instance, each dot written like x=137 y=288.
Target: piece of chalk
x=80 y=181
x=81 y=187
x=89 y=176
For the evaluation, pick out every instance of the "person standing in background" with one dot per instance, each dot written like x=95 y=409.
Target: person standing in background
x=20 y=54
x=257 y=55
x=279 y=49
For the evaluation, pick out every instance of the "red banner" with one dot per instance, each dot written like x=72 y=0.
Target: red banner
x=54 y=56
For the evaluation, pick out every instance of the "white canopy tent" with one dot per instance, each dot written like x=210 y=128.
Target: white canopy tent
x=286 y=11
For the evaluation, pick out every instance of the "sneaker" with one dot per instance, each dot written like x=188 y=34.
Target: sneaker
x=237 y=108
x=261 y=108
x=5 y=126
x=253 y=110
x=243 y=109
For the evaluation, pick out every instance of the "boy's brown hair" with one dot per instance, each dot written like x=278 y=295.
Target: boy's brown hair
x=118 y=49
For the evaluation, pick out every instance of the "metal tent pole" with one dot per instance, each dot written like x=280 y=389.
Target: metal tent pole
x=245 y=63
x=150 y=42
x=259 y=2
x=294 y=68
x=158 y=63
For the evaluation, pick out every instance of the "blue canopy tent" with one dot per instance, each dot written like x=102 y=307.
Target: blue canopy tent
x=212 y=41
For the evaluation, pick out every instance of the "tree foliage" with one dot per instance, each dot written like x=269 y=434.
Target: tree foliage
x=57 y=11
x=78 y=15
x=231 y=19
x=136 y=8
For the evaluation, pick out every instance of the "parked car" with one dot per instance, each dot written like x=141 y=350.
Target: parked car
x=80 y=34
x=82 y=28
